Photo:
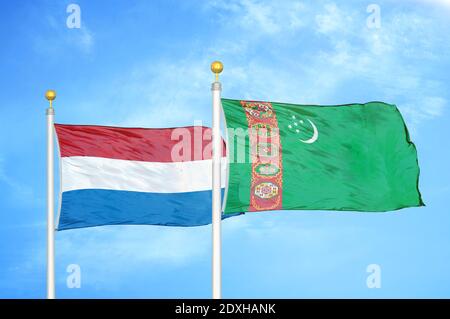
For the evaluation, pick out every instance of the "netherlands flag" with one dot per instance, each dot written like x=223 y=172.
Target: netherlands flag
x=126 y=176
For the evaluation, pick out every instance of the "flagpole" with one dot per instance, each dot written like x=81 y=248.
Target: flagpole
x=50 y=95
x=216 y=88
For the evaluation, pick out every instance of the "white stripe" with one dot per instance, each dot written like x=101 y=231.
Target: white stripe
x=84 y=172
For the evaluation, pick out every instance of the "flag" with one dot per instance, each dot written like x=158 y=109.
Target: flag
x=355 y=157
x=113 y=175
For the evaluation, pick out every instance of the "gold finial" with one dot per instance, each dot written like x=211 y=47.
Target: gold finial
x=50 y=95
x=216 y=68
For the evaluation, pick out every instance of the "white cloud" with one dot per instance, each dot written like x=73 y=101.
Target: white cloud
x=443 y=3
x=84 y=39
x=423 y=108
x=140 y=244
x=19 y=192
x=332 y=20
x=293 y=52
x=170 y=94
x=59 y=38
x=141 y=247
x=434 y=106
x=349 y=53
x=261 y=17
x=389 y=59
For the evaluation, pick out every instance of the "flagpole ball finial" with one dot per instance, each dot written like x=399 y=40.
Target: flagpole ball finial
x=217 y=68
x=50 y=95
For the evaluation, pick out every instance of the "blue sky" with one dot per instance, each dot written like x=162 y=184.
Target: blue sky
x=146 y=63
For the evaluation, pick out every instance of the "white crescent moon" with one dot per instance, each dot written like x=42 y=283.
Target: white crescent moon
x=315 y=134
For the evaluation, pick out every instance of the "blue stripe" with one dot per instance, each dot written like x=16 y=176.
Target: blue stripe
x=96 y=207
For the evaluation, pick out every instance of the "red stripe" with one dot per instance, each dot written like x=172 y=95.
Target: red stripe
x=137 y=144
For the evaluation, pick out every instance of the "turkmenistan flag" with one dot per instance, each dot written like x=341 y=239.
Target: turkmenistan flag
x=355 y=157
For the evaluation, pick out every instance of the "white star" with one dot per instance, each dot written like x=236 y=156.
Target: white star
x=293 y=117
x=295 y=123
x=301 y=121
x=290 y=126
x=298 y=131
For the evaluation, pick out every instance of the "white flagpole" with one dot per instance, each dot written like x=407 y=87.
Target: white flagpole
x=50 y=95
x=216 y=88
